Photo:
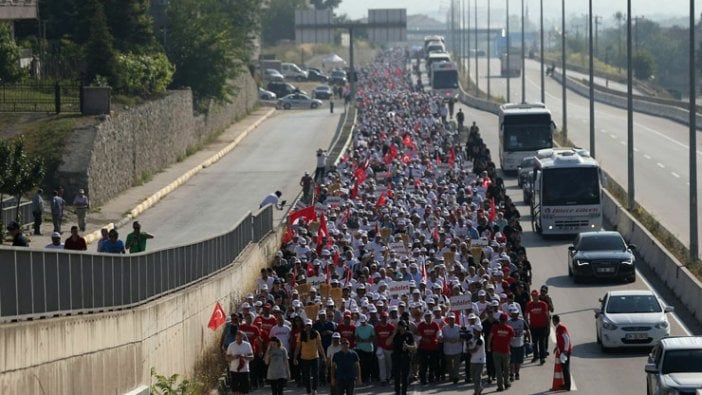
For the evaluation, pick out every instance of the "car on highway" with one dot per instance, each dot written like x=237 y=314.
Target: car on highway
x=601 y=255
x=322 y=92
x=675 y=366
x=314 y=74
x=524 y=170
x=631 y=318
x=273 y=75
x=266 y=95
x=298 y=100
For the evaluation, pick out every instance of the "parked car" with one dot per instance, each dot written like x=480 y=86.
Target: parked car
x=292 y=71
x=322 y=92
x=266 y=95
x=601 y=255
x=675 y=366
x=316 y=75
x=631 y=318
x=282 y=89
x=298 y=100
x=524 y=170
x=273 y=75
x=338 y=77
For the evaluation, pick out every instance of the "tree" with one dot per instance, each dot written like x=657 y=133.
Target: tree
x=10 y=70
x=25 y=174
x=5 y=162
x=202 y=48
x=644 y=64
x=325 y=4
x=99 y=52
x=279 y=20
x=245 y=16
x=131 y=24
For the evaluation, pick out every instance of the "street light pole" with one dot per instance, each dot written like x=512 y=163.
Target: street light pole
x=477 y=76
x=508 y=47
x=541 y=42
x=631 y=201
x=563 y=71
x=523 y=62
x=694 y=246
x=592 y=80
x=488 y=53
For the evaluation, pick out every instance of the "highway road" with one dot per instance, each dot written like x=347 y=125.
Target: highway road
x=660 y=146
x=273 y=157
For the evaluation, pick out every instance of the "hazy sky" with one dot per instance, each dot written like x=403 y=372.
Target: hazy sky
x=358 y=8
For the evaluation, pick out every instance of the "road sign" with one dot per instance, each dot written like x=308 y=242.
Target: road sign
x=386 y=25
x=314 y=26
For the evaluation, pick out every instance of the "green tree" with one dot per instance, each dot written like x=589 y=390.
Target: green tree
x=10 y=70
x=644 y=64
x=245 y=16
x=99 y=51
x=131 y=24
x=145 y=74
x=5 y=162
x=170 y=386
x=279 y=20
x=202 y=48
x=19 y=173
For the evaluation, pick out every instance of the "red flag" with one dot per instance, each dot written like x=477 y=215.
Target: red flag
x=370 y=279
x=381 y=200
x=354 y=191
x=388 y=158
x=405 y=159
x=486 y=182
x=493 y=211
x=446 y=289
x=310 y=270
x=424 y=271
x=360 y=175
x=335 y=257
x=407 y=141
x=348 y=275
x=322 y=232
x=288 y=235
x=436 y=234
x=452 y=157
x=218 y=317
x=393 y=152
x=345 y=217
x=308 y=213
x=417 y=182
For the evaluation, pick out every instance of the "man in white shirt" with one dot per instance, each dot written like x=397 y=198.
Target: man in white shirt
x=273 y=199
x=239 y=354
x=56 y=243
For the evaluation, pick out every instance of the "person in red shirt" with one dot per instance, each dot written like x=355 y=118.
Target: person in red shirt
x=564 y=347
x=347 y=330
x=253 y=333
x=498 y=342
x=75 y=241
x=265 y=321
x=537 y=316
x=383 y=331
x=428 y=332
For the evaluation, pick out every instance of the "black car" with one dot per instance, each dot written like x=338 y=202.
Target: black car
x=601 y=255
x=322 y=92
x=524 y=170
x=282 y=89
x=316 y=75
x=338 y=77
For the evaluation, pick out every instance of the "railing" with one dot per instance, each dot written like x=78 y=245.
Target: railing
x=41 y=96
x=9 y=207
x=43 y=283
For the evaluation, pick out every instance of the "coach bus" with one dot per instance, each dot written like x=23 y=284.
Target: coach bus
x=444 y=79
x=524 y=129
x=567 y=192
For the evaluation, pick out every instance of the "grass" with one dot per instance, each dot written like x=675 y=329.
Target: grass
x=210 y=366
x=648 y=221
x=31 y=97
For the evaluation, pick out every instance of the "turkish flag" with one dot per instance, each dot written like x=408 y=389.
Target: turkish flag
x=405 y=159
x=436 y=234
x=493 y=211
x=345 y=217
x=360 y=175
x=393 y=152
x=218 y=317
x=354 y=191
x=407 y=141
x=388 y=158
x=452 y=157
x=288 y=235
x=322 y=232
x=308 y=213
x=335 y=258
x=381 y=200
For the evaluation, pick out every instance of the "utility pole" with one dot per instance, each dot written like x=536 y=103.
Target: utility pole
x=694 y=246
x=509 y=44
x=541 y=44
x=597 y=31
x=631 y=201
x=563 y=71
x=477 y=76
x=488 y=53
x=523 y=61
x=592 y=79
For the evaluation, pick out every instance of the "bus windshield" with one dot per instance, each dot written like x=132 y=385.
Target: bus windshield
x=445 y=79
x=571 y=186
x=527 y=137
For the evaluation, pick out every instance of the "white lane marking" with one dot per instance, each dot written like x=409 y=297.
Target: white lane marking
x=673 y=314
x=676 y=175
x=672 y=140
x=647 y=156
x=614 y=136
x=636 y=149
x=661 y=165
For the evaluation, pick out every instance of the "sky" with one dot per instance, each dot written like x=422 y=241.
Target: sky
x=552 y=8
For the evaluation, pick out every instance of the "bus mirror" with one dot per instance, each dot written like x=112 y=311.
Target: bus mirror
x=605 y=181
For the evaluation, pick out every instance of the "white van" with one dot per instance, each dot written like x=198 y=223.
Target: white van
x=292 y=71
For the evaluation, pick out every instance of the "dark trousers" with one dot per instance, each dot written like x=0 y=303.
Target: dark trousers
x=319 y=174
x=310 y=374
x=295 y=370
x=441 y=362
x=37 y=222
x=539 y=336
x=277 y=386
x=566 y=373
x=427 y=363
x=466 y=359
x=366 y=361
x=400 y=371
x=258 y=372
x=344 y=386
x=489 y=365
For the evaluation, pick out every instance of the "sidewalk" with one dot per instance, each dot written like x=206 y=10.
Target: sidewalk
x=139 y=198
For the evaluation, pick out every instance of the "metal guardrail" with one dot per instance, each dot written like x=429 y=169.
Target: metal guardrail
x=9 y=209
x=43 y=283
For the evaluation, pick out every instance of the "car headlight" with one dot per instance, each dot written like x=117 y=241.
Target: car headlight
x=608 y=325
x=582 y=263
x=662 y=325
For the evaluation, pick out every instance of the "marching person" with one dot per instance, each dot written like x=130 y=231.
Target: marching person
x=346 y=370
x=278 y=369
x=537 y=315
x=498 y=342
x=37 y=211
x=239 y=354
x=563 y=350
x=403 y=346
x=309 y=350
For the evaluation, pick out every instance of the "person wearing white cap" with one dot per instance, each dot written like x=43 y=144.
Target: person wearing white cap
x=453 y=347
x=516 y=345
x=56 y=243
x=309 y=351
x=475 y=348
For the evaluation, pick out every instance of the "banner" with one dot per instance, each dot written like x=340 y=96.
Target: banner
x=316 y=281
x=460 y=302
x=397 y=288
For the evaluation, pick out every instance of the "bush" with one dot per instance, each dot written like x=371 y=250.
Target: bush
x=145 y=74
x=10 y=70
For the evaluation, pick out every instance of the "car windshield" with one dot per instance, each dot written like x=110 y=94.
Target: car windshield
x=629 y=304
x=339 y=74
x=611 y=242
x=682 y=361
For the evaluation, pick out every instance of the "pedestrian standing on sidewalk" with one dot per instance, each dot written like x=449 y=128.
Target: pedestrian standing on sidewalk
x=57 y=206
x=346 y=370
x=15 y=231
x=239 y=354
x=37 y=211
x=460 y=118
x=136 y=241
x=498 y=342
x=55 y=242
x=75 y=242
x=278 y=370
x=563 y=350
x=104 y=237
x=81 y=203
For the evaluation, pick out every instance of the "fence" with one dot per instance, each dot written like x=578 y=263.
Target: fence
x=40 y=283
x=41 y=96
x=9 y=207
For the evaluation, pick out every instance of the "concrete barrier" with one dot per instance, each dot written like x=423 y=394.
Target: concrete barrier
x=674 y=275
x=112 y=353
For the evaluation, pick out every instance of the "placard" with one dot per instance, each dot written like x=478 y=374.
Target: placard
x=385 y=232
x=481 y=242
x=303 y=289
x=399 y=288
x=311 y=311
x=460 y=302
x=324 y=291
x=337 y=295
x=333 y=201
x=381 y=175
x=315 y=281
x=449 y=257
x=477 y=253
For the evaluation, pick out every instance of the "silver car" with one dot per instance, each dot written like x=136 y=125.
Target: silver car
x=675 y=366
x=266 y=95
x=298 y=100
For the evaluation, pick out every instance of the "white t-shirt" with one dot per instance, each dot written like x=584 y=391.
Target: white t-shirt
x=239 y=349
x=479 y=355
x=282 y=333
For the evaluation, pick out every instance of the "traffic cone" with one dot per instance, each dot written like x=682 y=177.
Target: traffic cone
x=558 y=381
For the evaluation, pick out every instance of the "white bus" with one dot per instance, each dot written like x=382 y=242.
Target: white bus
x=524 y=129
x=567 y=192
x=444 y=79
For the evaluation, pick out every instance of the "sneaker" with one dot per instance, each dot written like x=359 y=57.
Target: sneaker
x=500 y=389
x=534 y=359
x=511 y=377
x=516 y=376
x=506 y=386
x=543 y=361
